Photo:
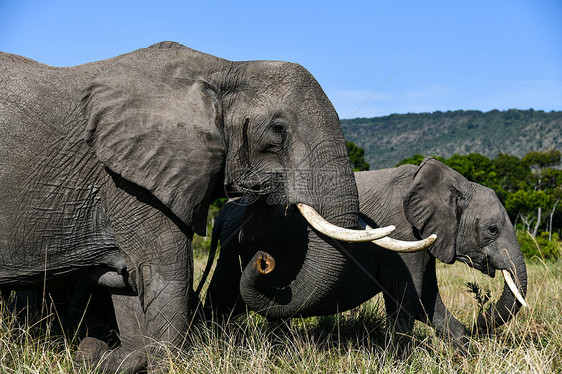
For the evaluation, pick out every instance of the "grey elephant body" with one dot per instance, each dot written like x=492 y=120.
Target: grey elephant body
x=29 y=88
x=407 y=280
x=108 y=168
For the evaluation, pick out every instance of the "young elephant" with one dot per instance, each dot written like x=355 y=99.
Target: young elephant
x=471 y=225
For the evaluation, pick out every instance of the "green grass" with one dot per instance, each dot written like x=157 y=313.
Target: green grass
x=351 y=342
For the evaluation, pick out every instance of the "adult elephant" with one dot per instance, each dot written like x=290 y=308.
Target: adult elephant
x=471 y=225
x=108 y=168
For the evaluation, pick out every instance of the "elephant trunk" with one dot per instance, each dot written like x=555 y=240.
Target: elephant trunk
x=509 y=304
x=321 y=267
x=320 y=272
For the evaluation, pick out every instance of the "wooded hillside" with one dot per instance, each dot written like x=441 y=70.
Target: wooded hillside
x=389 y=139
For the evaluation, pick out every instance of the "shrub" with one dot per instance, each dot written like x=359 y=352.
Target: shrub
x=539 y=246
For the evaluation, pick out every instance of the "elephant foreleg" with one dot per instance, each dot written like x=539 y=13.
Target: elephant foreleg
x=435 y=313
x=144 y=330
x=445 y=324
x=131 y=356
x=166 y=304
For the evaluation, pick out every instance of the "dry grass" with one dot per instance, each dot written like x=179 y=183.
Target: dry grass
x=352 y=342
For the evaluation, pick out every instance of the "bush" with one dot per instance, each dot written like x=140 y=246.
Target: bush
x=539 y=246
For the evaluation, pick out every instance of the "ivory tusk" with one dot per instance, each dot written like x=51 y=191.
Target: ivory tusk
x=513 y=287
x=340 y=233
x=405 y=246
x=400 y=245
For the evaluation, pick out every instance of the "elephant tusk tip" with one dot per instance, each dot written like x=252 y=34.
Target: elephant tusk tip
x=513 y=287
x=399 y=245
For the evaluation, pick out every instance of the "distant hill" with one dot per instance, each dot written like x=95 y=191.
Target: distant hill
x=389 y=139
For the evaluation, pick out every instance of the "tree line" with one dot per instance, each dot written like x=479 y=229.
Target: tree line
x=391 y=138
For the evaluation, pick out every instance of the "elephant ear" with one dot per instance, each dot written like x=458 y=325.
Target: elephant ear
x=150 y=120
x=432 y=205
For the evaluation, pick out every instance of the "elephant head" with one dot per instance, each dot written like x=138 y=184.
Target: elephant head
x=186 y=126
x=472 y=226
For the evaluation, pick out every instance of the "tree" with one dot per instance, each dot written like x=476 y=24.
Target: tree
x=525 y=203
x=414 y=160
x=547 y=180
x=541 y=160
x=483 y=170
x=417 y=159
x=357 y=157
x=511 y=173
x=460 y=164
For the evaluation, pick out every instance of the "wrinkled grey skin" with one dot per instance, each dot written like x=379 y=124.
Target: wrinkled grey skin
x=471 y=226
x=108 y=168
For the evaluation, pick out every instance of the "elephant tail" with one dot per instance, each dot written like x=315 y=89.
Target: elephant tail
x=212 y=252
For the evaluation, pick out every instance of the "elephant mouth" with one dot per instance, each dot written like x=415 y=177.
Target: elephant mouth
x=486 y=268
x=252 y=184
x=480 y=264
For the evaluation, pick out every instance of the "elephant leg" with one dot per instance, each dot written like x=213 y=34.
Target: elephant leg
x=400 y=318
x=166 y=304
x=435 y=313
x=223 y=298
x=445 y=324
x=146 y=331
x=131 y=356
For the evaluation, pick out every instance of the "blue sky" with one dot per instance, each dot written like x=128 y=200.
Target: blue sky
x=372 y=58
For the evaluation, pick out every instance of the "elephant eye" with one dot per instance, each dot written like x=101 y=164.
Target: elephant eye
x=278 y=133
x=493 y=230
x=278 y=129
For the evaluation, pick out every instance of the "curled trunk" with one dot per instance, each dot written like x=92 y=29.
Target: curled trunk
x=508 y=305
x=321 y=270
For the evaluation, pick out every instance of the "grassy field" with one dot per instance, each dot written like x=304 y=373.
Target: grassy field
x=352 y=342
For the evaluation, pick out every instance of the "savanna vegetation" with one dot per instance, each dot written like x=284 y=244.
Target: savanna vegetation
x=351 y=342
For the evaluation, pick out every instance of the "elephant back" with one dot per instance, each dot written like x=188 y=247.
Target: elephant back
x=381 y=197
